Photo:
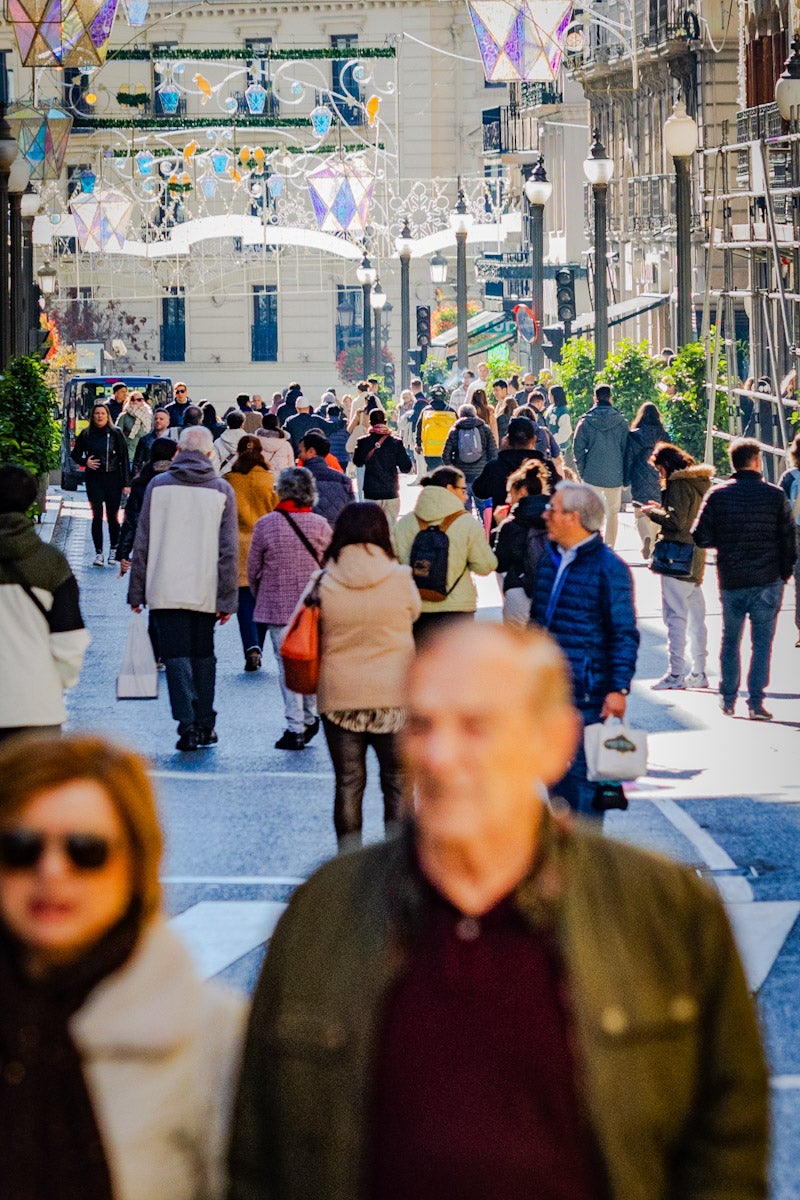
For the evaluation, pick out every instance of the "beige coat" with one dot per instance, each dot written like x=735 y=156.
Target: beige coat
x=369 y=604
x=161 y=1051
x=255 y=497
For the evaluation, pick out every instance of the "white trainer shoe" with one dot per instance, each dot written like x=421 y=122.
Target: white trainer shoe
x=99 y=561
x=699 y=680
x=669 y=683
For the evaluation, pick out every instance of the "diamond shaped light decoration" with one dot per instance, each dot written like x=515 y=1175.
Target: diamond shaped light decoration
x=341 y=191
x=62 y=33
x=520 y=40
x=101 y=220
x=42 y=134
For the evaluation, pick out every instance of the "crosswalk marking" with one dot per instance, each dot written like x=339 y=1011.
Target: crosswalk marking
x=760 y=930
x=219 y=932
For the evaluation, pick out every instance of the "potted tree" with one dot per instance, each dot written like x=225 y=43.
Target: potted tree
x=29 y=432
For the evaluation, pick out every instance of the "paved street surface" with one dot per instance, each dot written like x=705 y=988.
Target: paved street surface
x=246 y=823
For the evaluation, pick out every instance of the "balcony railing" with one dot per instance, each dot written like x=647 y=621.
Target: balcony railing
x=533 y=94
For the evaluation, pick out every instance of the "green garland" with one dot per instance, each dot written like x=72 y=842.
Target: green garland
x=145 y=54
x=175 y=121
x=158 y=152
x=132 y=99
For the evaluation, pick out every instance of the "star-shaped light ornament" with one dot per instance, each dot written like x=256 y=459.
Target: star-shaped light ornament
x=62 y=33
x=101 y=220
x=520 y=40
x=42 y=134
x=341 y=191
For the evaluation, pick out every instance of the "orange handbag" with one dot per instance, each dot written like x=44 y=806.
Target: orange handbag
x=300 y=650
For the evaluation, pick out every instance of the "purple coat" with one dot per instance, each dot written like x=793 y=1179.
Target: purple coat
x=279 y=566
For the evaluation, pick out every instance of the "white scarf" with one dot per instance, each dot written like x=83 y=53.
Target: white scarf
x=143 y=413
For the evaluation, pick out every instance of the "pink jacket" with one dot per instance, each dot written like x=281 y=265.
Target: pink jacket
x=279 y=566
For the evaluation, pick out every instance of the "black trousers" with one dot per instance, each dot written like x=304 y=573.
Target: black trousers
x=104 y=488
x=186 y=642
x=348 y=753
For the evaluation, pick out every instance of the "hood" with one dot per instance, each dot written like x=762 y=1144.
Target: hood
x=231 y=437
x=467 y=423
x=529 y=510
x=17 y=536
x=434 y=503
x=361 y=567
x=604 y=414
x=699 y=476
x=515 y=458
x=191 y=467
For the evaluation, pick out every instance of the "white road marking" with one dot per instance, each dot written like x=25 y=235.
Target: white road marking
x=213 y=776
x=760 y=931
x=277 y=880
x=785 y=1083
x=220 y=932
x=732 y=888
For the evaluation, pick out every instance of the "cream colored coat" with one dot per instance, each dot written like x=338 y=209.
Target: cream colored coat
x=160 y=1051
x=369 y=604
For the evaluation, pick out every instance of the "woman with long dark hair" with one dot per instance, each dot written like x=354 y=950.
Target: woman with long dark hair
x=101 y=448
x=254 y=487
x=369 y=603
x=646 y=431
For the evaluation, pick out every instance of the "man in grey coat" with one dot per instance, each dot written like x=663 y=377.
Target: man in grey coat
x=599 y=448
x=185 y=568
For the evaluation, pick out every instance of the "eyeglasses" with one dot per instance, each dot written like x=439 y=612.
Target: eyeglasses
x=22 y=849
x=179 y=391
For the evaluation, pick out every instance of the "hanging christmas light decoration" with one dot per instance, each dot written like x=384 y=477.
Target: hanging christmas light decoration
x=136 y=12
x=321 y=118
x=144 y=161
x=341 y=192
x=520 y=40
x=101 y=220
x=170 y=96
x=62 y=33
x=256 y=98
x=373 y=104
x=42 y=134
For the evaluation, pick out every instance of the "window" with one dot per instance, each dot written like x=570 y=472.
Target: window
x=346 y=93
x=259 y=70
x=349 y=317
x=264 y=331
x=173 y=327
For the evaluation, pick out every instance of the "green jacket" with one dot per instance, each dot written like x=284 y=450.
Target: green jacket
x=680 y=503
x=673 y=1073
x=468 y=547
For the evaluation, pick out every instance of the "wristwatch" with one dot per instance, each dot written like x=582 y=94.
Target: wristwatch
x=624 y=691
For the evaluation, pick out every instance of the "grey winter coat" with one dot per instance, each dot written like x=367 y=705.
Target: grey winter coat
x=599 y=446
x=450 y=455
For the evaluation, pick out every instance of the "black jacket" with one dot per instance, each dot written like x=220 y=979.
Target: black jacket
x=381 y=469
x=640 y=476
x=489 y=452
x=491 y=483
x=510 y=541
x=299 y=425
x=750 y=523
x=177 y=412
x=132 y=509
x=109 y=446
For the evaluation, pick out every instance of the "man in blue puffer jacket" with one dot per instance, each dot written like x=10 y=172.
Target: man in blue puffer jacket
x=584 y=596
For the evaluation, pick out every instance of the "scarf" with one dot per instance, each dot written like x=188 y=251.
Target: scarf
x=381 y=430
x=50 y=1145
x=143 y=415
x=290 y=506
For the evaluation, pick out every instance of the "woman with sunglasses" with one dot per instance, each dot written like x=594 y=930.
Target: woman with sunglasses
x=118 y=1063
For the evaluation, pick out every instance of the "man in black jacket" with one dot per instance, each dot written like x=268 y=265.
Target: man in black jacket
x=750 y=523
x=491 y=484
x=383 y=456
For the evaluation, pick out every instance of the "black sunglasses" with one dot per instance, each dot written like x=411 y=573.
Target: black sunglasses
x=21 y=849
x=179 y=391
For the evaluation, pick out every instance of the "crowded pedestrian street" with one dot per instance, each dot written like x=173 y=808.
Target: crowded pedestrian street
x=244 y=827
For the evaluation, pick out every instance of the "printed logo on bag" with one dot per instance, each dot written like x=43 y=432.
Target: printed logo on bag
x=621 y=744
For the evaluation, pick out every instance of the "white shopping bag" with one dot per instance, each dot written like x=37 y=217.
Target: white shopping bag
x=615 y=753
x=138 y=675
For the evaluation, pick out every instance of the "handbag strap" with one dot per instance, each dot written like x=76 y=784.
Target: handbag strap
x=377 y=446
x=19 y=578
x=302 y=537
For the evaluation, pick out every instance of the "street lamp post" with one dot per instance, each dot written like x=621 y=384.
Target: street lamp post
x=18 y=178
x=538 y=189
x=680 y=139
x=8 y=152
x=366 y=276
x=377 y=301
x=30 y=204
x=403 y=245
x=598 y=169
x=47 y=277
x=787 y=98
x=460 y=223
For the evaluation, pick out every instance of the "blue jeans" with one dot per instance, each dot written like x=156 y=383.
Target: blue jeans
x=251 y=640
x=575 y=788
x=473 y=500
x=761 y=605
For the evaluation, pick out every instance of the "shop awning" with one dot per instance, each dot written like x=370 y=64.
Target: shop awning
x=485 y=331
x=621 y=312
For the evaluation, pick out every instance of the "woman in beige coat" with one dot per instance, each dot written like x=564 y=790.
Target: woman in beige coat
x=254 y=487
x=369 y=603
x=118 y=1062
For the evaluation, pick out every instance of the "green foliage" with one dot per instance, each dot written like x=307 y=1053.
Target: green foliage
x=575 y=373
x=632 y=374
x=30 y=435
x=501 y=366
x=434 y=370
x=686 y=410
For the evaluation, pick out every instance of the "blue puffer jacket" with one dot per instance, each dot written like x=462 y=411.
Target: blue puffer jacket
x=594 y=620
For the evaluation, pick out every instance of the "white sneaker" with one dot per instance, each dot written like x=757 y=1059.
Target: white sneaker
x=99 y=561
x=696 y=680
x=669 y=683
x=112 y=555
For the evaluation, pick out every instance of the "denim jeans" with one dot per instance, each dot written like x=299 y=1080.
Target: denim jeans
x=761 y=605
x=348 y=753
x=299 y=710
x=473 y=501
x=797 y=580
x=186 y=641
x=247 y=626
x=575 y=788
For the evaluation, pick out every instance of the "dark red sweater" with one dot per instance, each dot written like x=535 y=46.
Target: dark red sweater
x=475 y=1095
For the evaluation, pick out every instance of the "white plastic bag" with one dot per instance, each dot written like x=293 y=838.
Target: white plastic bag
x=138 y=675
x=615 y=752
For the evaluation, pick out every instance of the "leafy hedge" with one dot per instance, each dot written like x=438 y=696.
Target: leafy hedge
x=30 y=435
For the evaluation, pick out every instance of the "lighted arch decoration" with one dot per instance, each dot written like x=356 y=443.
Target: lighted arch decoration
x=42 y=134
x=101 y=219
x=341 y=191
x=62 y=33
x=520 y=40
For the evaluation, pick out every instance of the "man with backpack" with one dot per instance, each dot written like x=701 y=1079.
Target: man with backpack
x=601 y=437
x=435 y=422
x=383 y=456
x=470 y=445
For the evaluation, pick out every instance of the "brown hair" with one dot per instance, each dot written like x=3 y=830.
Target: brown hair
x=671 y=458
x=29 y=765
x=361 y=524
x=533 y=476
x=248 y=454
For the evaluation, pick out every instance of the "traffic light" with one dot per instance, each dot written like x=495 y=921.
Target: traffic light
x=553 y=342
x=388 y=376
x=565 y=294
x=42 y=338
x=423 y=330
x=414 y=361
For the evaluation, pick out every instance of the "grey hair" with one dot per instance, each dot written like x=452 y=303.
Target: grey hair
x=468 y=410
x=297 y=484
x=584 y=500
x=196 y=437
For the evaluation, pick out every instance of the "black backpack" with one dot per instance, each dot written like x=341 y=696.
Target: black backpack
x=429 y=558
x=536 y=543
